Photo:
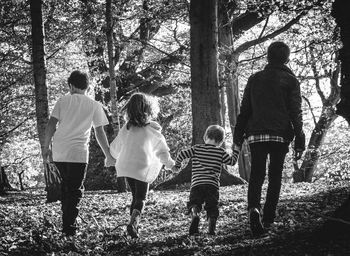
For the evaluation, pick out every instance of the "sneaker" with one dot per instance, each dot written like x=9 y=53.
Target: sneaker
x=132 y=231
x=69 y=231
x=267 y=225
x=256 y=226
x=194 y=225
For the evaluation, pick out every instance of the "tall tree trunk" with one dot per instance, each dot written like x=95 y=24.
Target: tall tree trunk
x=204 y=71
x=206 y=109
x=309 y=164
x=39 y=68
x=121 y=183
x=340 y=11
x=228 y=78
x=4 y=182
x=20 y=179
x=204 y=68
x=39 y=71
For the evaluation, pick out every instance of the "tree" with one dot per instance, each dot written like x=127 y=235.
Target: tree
x=4 y=182
x=39 y=71
x=205 y=98
x=121 y=187
x=327 y=116
x=340 y=13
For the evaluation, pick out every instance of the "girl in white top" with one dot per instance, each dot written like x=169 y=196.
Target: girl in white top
x=140 y=151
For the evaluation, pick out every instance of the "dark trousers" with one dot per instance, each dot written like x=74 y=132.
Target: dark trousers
x=205 y=194
x=259 y=151
x=73 y=175
x=139 y=191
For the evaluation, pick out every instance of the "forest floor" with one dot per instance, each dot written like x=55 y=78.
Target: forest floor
x=29 y=226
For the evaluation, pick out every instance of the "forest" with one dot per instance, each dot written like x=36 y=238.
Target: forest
x=196 y=56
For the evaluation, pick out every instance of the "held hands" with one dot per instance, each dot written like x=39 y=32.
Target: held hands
x=46 y=154
x=175 y=169
x=109 y=161
x=297 y=154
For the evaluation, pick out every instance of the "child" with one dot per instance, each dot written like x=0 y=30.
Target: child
x=140 y=150
x=75 y=114
x=207 y=160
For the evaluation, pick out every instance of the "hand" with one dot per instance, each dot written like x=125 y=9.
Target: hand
x=175 y=169
x=46 y=153
x=297 y=154
x=236 y=147
x=109 y=161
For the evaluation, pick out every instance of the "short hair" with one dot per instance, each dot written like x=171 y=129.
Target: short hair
x=79 y=79
x=140 y=109
x=215 y=132
x=278 y=53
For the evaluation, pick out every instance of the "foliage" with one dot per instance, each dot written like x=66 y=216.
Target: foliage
x=31 y=227
x=155 y=62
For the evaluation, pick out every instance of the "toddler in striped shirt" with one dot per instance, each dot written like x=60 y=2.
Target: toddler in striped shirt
x=207 y=160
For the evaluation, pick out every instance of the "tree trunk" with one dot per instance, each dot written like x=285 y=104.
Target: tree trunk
x=228 y=78
x=309 y=164
x=121 y=183
x=206 y=107
x=39 y=71
x=204 y=68
x=340 y=11
x=39 y=68
x=4 y=182
x=20 y=179
x=204 y=73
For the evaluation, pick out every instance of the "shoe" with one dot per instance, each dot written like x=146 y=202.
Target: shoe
x=132 y=231
x=256 y=226
x=132 y=227
x=267 y=225
x=69 y=231
x=194 y=225
x=212 y=226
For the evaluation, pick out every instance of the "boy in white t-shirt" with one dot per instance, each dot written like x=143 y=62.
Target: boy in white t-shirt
x=75 y=114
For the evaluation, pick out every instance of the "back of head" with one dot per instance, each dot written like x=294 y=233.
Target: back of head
x=79 y=80
x=278 y=53
x=216 y=133
x=140 y=109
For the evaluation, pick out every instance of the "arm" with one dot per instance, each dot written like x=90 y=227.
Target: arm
x=103 y=142
x=243 y=117
x=115 y=146
x=184 y=154
x=162 y=152
x=231 y=159
x=297 y=120
x=49 y=132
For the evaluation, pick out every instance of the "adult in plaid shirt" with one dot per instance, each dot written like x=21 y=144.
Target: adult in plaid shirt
x=270 y=117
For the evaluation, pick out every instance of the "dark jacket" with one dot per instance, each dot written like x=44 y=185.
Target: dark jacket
x=271 y=105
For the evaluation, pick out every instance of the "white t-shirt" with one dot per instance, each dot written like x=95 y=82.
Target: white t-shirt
x=76 y=114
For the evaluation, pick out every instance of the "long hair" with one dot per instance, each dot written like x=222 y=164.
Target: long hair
x=140 y=109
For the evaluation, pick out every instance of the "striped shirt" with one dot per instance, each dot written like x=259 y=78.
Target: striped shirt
x=207 y=161
x=265 y=138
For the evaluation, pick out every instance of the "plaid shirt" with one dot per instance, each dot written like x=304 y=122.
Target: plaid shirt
x=265 y=138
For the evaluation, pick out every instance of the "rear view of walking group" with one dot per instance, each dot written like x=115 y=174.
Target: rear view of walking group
x=270 y=118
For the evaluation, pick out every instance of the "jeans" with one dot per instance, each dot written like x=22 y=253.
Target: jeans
x=73 y=175
x=139 y=191
x=207 y=194
x=259 y=152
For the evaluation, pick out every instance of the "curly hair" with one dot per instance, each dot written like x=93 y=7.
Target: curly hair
x=79 y=79
x=216 y=133
x=140 y=109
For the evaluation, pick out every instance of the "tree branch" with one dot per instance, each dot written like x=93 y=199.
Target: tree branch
x=249 y=44
x=310 y=107
x=317 y=80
